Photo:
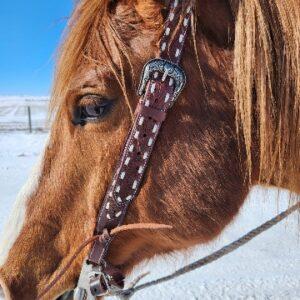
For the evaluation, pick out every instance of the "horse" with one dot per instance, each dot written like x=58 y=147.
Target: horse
x=235 y=125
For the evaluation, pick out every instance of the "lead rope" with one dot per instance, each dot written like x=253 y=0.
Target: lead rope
x=113 y=232
x=128 y=293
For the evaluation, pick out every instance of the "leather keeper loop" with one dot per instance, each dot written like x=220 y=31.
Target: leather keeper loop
x=105 y=237
x=149 y=111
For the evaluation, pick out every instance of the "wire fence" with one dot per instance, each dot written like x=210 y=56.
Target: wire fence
x=24 y=114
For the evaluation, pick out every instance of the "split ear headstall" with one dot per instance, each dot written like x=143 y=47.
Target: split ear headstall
x=161 y=83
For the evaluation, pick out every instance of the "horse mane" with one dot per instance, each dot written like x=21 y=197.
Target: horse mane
x=266 y=65
x=266 y=73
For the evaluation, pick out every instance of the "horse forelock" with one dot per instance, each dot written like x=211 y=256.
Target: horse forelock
x=92 y=24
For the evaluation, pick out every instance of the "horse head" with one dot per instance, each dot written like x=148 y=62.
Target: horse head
x=199 y=174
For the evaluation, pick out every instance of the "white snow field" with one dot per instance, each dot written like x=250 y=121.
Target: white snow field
x=14 y=112
x=266 y=268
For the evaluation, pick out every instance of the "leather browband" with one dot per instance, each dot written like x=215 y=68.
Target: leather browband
x=161 y=83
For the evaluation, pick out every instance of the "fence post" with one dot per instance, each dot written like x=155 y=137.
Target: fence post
x=29 y=119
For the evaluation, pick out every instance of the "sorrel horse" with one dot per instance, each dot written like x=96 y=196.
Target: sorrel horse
x=236 y=124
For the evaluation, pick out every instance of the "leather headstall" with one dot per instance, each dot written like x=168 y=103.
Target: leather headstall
x=162 y=81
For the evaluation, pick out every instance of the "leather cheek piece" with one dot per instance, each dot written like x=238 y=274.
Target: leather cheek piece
x=148 y=111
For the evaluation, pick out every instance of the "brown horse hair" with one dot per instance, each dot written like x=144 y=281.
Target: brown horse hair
x=266 y=73
x=198 y=178
x=85 y=42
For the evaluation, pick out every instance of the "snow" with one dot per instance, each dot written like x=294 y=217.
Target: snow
x=14 y=112
x=24 y=98
x=266 y=268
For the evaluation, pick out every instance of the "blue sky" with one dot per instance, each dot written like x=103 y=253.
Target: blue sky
x=30 y=32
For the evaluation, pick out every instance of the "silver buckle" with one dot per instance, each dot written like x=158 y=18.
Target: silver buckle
x=83 y=291
x=167 y=68
x=88 y=284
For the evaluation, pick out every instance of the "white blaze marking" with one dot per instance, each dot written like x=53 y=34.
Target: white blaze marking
x=15 y=223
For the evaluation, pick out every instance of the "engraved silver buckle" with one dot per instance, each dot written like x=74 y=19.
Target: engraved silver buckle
x=167 y=68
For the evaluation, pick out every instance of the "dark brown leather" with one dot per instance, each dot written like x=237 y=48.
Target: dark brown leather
x=149 y=116
x=150 y=112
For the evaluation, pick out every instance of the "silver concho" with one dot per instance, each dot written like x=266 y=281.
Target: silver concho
x=167 y=68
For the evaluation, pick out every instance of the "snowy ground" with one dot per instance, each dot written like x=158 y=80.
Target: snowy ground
x=14 y=112
x=266 y=268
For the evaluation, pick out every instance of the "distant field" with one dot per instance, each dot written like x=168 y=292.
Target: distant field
x=16 y=113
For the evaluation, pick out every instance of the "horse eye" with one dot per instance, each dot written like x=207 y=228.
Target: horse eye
x=91 y=112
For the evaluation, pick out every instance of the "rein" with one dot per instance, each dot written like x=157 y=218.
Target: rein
x=127 y=293
x=115 y=231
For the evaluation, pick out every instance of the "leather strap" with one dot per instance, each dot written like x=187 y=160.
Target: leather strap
x=164 y=84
